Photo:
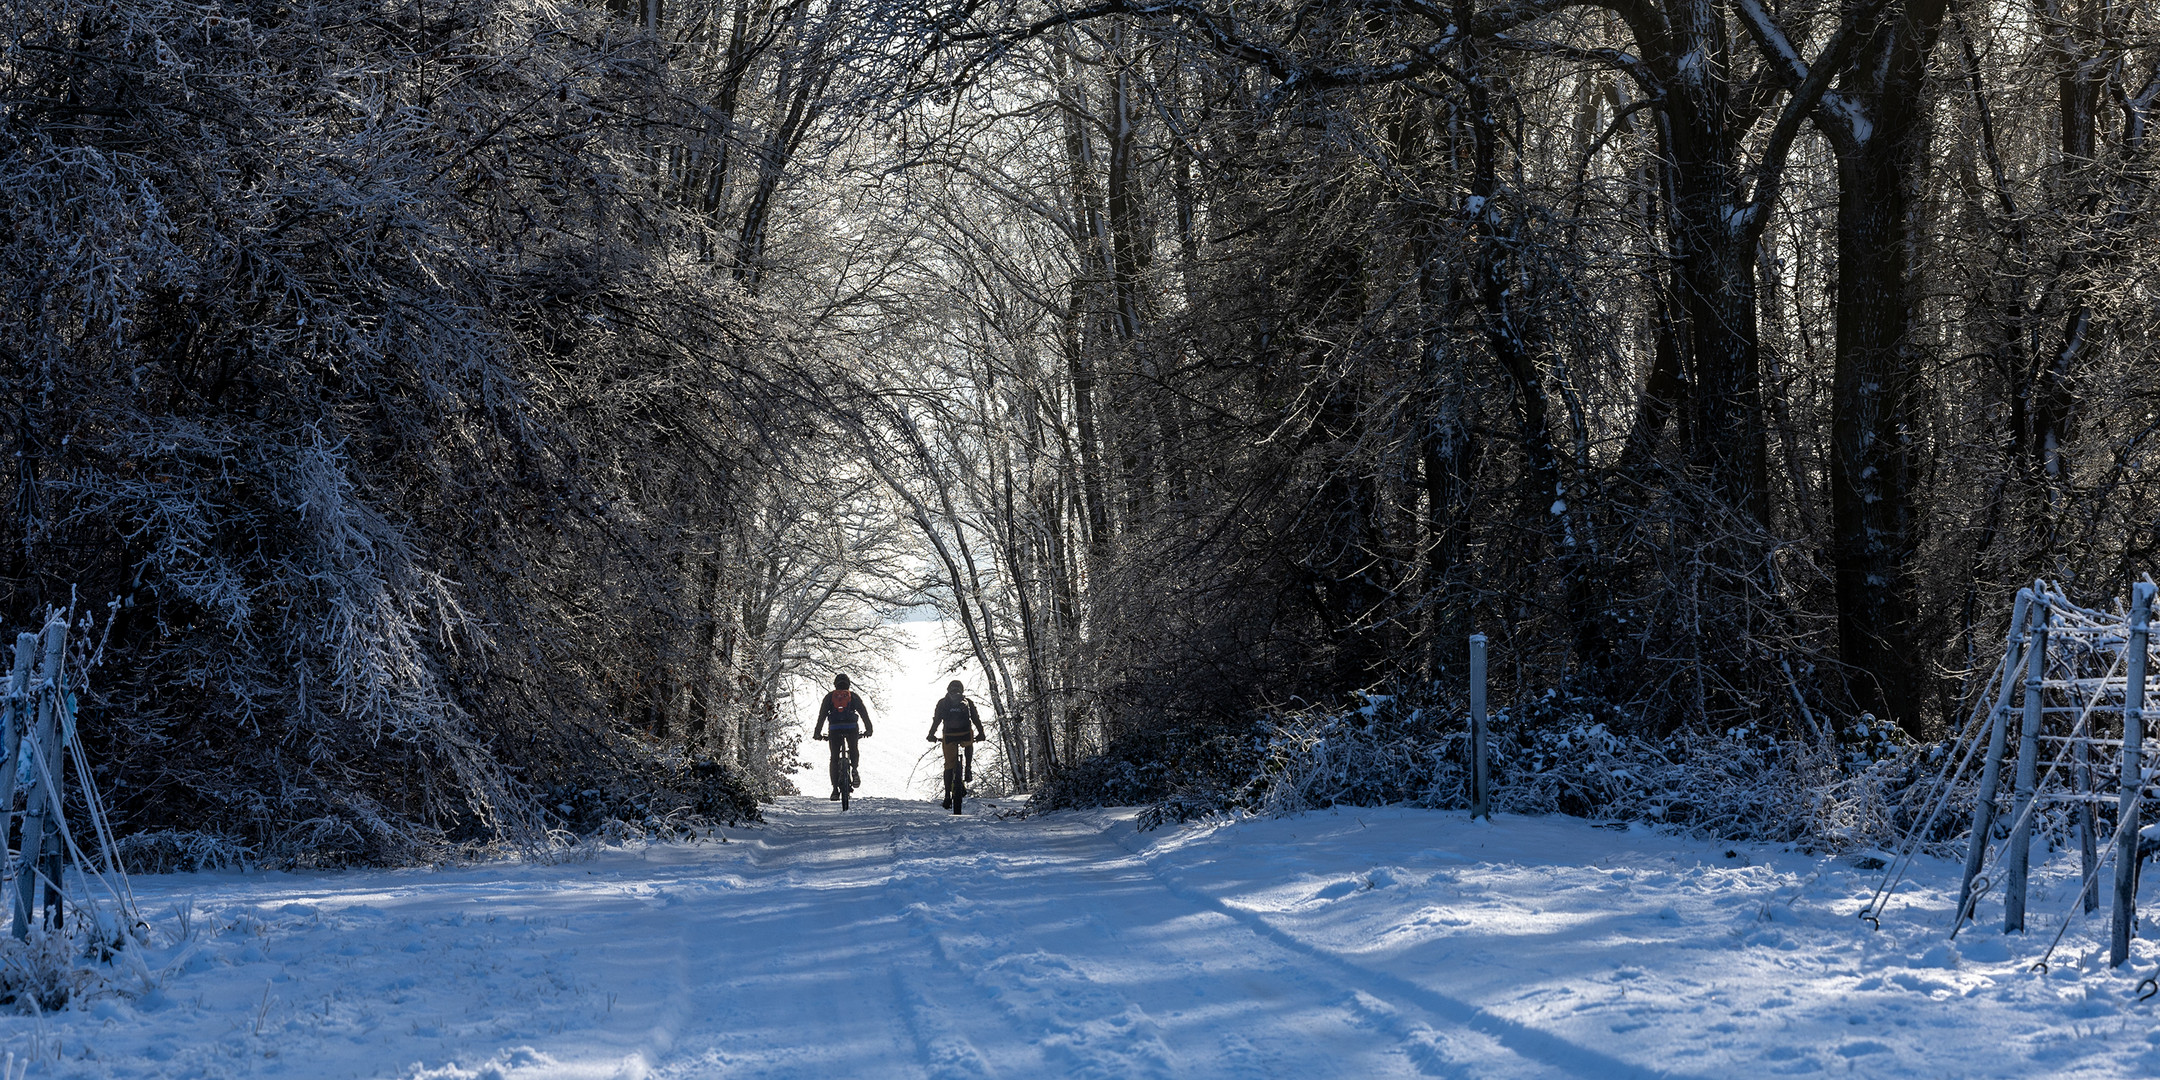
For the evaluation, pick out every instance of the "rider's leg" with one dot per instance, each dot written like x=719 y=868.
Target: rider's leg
x=837 y=765
x=951 y=751
x=854 y=759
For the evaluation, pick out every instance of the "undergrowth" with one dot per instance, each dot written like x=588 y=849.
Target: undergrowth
x=1561 y=755
x=52 y=967
x=660 y=799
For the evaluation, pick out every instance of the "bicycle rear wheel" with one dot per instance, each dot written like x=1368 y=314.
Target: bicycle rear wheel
x=840 y=777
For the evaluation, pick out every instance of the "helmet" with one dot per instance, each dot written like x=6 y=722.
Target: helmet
x=840 y=682
x=954 y=687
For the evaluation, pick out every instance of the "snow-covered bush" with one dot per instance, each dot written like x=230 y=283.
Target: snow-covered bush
x=673 y=796
x=1180 y=774
x=170 y=851
x=1561 y=755
x=43 y=973
x=360 y=370
x=52 y=967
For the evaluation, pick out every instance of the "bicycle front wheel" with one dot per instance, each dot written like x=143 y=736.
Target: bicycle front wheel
x=839 y=771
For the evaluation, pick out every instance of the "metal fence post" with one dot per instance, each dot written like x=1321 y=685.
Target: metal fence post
x=2019 y=862
x=52 y=743
x=2127 y=807
x=1480 y=770
x=1991 y=772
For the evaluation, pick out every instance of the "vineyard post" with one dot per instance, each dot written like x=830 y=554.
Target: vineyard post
x=2127 y=806
x=2019 y=861
x=1991 y=772
x=17 y=721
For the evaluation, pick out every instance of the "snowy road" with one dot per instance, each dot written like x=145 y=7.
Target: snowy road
x=897 y=941
x=917 y=946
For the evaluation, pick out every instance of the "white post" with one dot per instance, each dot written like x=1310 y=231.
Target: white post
x=1991 y=772
x=1480 y=777
x=2018 y=863
x=2127 y=809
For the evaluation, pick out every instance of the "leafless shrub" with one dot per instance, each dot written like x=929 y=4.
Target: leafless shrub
x=41 y=974
x=175 y=851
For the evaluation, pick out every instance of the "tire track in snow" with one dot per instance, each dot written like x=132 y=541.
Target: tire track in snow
x=784 y=996
x=1080 y=1028
x=1090 y=1028
x=965 y=949
x=659 y=1041
x=947 y=1053
x=1384 y=997
x=935 y=998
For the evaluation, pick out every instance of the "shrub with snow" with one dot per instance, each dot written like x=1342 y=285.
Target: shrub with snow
x=1560 y=755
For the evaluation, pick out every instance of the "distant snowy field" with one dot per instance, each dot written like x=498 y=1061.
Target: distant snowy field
x=897 y=941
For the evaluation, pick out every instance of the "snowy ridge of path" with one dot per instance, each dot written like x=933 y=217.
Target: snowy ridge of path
x=1543 y=1048
x=944 y=1048
x=1091 y=1029
x=899 y=941
x=801 y=976
x=1083 y=1026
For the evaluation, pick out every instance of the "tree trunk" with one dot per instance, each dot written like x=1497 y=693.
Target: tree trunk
x=1716 y=281
x=1685 y=48
x=1876 y=125
x=1871 y=458
x=1078 y=344
x=1715 y=276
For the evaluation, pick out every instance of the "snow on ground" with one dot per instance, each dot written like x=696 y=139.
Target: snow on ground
x=896 y=940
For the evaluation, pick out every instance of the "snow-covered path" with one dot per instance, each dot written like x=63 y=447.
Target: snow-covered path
x=897 y=941
x=912 y=945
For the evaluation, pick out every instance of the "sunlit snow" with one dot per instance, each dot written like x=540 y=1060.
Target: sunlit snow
x=895 y=940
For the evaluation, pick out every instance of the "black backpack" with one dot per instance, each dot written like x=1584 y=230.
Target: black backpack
x=951 y=711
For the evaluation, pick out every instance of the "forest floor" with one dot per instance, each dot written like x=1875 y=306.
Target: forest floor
x=896 y=940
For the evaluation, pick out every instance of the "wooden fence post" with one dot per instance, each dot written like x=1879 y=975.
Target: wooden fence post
x=1991 y=772
x=52 y=741
x=2081 y=781
x=37 y=865
x=17 y=722
x=1480 y=771
x=2018 y=863
x=2127 y=807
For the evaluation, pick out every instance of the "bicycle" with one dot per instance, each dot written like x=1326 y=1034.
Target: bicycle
x=955 y=723
x=958 y=777
x=849 y=715
x=846 y=773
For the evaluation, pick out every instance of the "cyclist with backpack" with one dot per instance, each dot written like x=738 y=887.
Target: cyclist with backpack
x=848 y=716
x=955 y=724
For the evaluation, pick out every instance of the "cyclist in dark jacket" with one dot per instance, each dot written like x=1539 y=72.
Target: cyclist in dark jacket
x=848 y=716
x=955 y=724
